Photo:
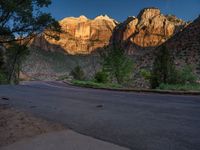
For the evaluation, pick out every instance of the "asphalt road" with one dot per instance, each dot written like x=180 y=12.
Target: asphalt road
x=135 y=120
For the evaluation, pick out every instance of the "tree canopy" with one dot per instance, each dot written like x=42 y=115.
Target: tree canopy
x=23 y=19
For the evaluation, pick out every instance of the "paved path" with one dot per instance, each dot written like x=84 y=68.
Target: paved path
x=134 y=120
x=63 y=140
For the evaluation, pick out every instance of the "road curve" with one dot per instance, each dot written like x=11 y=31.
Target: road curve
x=135 y=120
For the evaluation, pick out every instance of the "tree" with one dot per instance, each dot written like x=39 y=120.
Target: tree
x=15 y=55
x=2 y=67
x=164 y=70
x=117 y=64
x=21 y=21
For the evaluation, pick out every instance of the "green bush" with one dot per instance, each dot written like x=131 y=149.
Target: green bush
x=78 y=73
x=145 y=74
x=101 y=77
x=186 y=75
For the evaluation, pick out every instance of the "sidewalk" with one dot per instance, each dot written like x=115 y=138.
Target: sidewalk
x=62 y=140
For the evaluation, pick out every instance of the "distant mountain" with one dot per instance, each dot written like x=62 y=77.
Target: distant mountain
x=83 y=36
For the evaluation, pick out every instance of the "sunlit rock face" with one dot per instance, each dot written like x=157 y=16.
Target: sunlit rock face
x=81 y=35
x=184 y=47
x=149 y=29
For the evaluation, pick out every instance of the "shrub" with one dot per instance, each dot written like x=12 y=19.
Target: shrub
x=78 y=73
x=186 y=75
x=101 y=77
x=145 y=74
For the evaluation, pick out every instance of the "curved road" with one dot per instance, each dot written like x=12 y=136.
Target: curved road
x=135 y=120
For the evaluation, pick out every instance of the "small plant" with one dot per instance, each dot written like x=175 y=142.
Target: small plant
x=101 y=77
x=78 y=73
x=145 y=74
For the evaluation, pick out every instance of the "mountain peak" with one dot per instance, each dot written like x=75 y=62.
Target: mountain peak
x=83 y=17
x=149 y=12
x=80 y=18
x=105 y=17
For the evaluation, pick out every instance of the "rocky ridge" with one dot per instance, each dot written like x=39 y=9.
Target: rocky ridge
x=149 y=29
x=184 y=47
x=83 y=36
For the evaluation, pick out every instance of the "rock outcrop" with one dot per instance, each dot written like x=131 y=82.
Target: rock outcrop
x=81 y=35
x=183 y=46
x=149 y=29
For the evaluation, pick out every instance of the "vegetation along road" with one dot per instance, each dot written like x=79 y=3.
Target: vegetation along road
x=135 y=120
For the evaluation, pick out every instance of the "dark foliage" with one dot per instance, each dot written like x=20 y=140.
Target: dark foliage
x=163 y=69
x=78 y=73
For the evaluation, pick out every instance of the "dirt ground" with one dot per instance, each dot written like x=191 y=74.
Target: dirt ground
x=16 y=125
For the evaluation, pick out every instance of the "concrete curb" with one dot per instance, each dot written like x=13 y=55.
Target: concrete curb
x=62 y=140
x=139 y=90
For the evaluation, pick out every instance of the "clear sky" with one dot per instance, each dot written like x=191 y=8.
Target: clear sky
x=120 y=9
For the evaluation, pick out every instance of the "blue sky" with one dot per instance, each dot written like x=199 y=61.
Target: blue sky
x=121 y=9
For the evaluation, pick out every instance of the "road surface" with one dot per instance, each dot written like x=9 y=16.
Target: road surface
x=135 y=120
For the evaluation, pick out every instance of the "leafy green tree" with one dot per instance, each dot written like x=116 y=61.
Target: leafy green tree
x=118 y=64
x=78 y=73
x=163 y=69
x=24 y=19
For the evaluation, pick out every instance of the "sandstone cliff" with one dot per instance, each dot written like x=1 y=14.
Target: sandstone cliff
x=184 y=47
x=149 y=29
x=81 y=35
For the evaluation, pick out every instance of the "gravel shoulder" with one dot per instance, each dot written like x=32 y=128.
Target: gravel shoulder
x=16 y=125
